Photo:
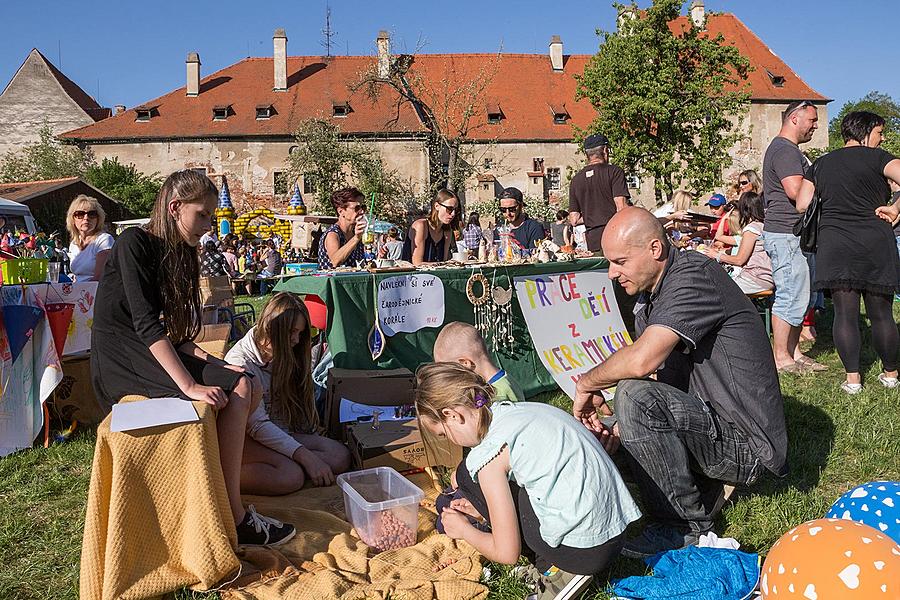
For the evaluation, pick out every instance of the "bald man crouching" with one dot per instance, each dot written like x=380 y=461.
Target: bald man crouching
x=714 y=413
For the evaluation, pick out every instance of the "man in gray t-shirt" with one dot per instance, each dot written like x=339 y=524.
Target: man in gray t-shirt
x=714 y=414
x=783 y=169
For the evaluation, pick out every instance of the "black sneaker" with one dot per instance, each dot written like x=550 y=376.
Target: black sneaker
x=657 y=538
x=257 y=530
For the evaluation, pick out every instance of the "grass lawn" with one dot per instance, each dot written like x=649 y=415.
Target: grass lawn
x=836 y=442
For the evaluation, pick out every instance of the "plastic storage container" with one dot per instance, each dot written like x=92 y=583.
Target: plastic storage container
x=382 y=506
x=23 y=270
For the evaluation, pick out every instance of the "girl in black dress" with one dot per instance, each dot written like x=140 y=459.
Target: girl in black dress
x=155 y=272
x=856 y=254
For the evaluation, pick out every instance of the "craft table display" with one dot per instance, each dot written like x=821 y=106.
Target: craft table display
x=350 y=298
x=30 y=369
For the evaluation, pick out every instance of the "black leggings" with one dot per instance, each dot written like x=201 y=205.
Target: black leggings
x=582 y=561
x=847 y=338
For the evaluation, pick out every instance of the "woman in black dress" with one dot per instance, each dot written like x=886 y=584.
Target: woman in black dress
x=430 y=239
x=155 y=272
x=856 y=254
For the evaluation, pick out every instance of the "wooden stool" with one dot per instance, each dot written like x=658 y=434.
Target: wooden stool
x=763 y=303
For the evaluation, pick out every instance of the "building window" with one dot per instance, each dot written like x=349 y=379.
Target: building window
x=777 y=80
x=494 y=113
x=633 y=182
x=264 y=111
x=560 y=114
x=488 y=164
x=537 y=165
x=144 y=113
x=309 y=183
x=486 y=186
x=535 y=180
x=220 y=113
x=340 y=109
x=280 y=182
x=553 y=180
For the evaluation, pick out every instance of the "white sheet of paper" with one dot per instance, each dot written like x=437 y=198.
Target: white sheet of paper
x=350 y=411
x=152 y=412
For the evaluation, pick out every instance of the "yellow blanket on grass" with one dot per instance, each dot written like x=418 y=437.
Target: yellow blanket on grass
x=158 y=520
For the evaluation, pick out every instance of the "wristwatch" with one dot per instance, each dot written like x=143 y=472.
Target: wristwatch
x=719 y=257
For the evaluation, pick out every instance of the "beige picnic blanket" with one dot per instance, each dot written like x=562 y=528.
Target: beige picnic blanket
x=158 y=520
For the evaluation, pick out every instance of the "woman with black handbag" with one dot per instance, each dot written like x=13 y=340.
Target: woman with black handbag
x=855 y=246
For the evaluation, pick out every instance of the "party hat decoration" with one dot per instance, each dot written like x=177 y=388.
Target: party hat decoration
x=19 y=321
x=296 y=205
x=60 y=315
x=225 y=211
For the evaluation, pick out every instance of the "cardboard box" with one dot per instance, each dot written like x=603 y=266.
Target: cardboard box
x=74 y=397
x=397 y=444
x=214 y=339
x=376 y=387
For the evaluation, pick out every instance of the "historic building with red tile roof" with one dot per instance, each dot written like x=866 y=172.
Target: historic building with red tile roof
x=239 y=121
x=38 y=93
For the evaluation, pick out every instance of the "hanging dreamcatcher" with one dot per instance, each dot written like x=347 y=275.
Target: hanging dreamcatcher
x=501 y=316
x=478 y=291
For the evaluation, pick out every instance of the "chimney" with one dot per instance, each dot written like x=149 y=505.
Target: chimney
x=556 y=55
x=119 y=109
x=383 y=44
x=698 y=14
x=279 y=41
x=193 y=74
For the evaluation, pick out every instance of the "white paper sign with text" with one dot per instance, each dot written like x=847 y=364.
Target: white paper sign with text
x=573 y=320
x=408 y=303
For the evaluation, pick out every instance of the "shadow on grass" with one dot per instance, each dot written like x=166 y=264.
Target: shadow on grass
x=810 y=432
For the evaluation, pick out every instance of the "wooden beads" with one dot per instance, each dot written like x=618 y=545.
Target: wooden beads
x=391 y=533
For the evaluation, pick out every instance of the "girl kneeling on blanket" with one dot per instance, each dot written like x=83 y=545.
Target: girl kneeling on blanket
x=152 y=272
x=542 y=481
x=284 y=446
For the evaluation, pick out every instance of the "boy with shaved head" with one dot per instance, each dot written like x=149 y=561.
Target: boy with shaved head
x=715 y=412
x=460 y=342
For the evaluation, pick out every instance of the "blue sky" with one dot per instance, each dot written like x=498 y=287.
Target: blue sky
x=135 y=51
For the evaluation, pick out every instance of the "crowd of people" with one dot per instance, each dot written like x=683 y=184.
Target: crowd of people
x=712 y=416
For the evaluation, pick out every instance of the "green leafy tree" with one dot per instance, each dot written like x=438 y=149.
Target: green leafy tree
x=671 y=102
x=876 y=102
x=330 y=161
x=45 y=159
x=126 y=184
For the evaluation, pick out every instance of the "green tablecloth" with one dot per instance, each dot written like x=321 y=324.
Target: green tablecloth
x=351 y=314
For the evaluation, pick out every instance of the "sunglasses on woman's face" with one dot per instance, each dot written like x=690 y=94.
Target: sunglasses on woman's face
x=80 y=214
x=743 y=183
x=449 y=209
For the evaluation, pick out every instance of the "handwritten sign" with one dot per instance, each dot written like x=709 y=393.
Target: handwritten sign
x=573 y=320
x=408 y=303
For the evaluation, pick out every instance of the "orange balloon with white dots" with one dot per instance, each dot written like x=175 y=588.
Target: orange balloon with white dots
x=832 y=559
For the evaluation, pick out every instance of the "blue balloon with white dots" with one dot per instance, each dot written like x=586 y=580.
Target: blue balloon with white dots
x=876 y=504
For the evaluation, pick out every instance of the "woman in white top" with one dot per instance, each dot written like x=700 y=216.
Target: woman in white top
x=285 y=446
x=90 y=245
x=756 y=273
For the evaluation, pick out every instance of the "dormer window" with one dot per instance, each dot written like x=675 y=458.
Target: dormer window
x=494 y=113
x=560 y=114
x=777 y=80
x=221 y=112
x=144 y=113
x=340 y=108
x=264 y=111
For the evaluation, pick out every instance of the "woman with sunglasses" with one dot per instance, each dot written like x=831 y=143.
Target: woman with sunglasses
x=749 y=181
x=90 y=245
x=341 y=244
x=430 y=238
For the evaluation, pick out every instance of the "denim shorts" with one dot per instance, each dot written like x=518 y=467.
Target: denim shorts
x=790 y=271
